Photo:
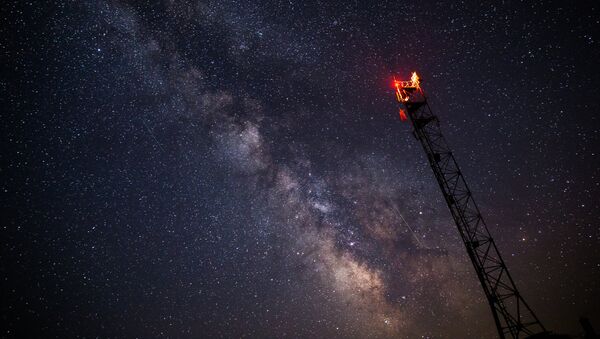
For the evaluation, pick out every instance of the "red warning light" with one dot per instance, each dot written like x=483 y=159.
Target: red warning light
x=403 y=116
x=406 y=87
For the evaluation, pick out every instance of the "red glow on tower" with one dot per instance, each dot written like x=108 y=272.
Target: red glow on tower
x=403 y=116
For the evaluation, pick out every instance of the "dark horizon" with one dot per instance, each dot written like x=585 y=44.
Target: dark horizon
x=239 y=169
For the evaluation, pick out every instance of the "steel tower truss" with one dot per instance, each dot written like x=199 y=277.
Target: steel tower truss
x=512 y=315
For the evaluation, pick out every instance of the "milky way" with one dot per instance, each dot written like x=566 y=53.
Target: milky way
x=226 y=169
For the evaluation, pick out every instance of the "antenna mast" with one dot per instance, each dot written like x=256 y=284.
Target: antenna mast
x=512 y=315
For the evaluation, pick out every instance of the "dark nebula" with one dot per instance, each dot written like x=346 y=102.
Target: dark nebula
x=225 y=169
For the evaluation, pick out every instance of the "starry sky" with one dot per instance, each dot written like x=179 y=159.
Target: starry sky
x=238 y=169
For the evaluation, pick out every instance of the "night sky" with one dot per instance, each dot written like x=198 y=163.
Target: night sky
x=221 y=169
